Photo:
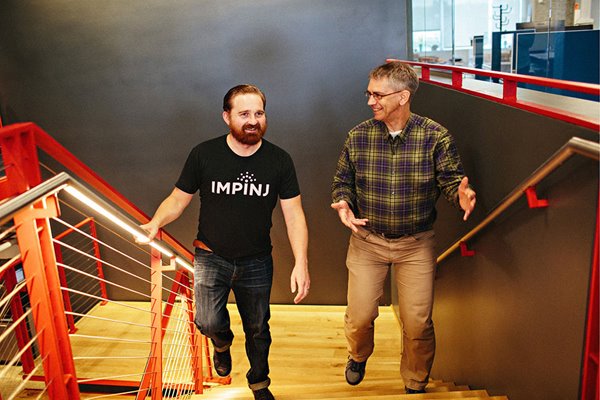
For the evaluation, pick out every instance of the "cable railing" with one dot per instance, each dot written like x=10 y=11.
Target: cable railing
x=19 y=144
x=83 y=305
x=510 y=95
x=87 y=347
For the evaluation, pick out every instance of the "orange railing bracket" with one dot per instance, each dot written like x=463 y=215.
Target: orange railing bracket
x=532 y=198
x=464 y=250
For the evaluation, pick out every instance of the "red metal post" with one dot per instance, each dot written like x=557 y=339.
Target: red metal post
x=589 y=385
x=99 y=268
x=175 y=289
x=194 y=336
x=457 y=78
x=35 y=241
x=62 y=276
x=156 y=324
x=19 y=154
x=425 y=73
x=509 y=91
x=152 y=379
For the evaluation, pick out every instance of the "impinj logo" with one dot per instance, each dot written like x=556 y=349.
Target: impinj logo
x=244 y=185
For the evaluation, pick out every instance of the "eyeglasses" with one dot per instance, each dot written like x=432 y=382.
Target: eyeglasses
x=379 y=96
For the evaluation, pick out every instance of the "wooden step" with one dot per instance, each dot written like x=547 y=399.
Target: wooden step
x=308 y=359
x=321 y=393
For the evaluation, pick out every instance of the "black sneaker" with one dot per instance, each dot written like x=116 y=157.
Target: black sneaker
x=222 y=362
x=263 y=394
x=355 y=371
x=413 y=391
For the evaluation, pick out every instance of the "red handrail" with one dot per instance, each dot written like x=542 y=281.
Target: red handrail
x=54 y=149
x=19 y=144
x=590 y=389
x=509 y=90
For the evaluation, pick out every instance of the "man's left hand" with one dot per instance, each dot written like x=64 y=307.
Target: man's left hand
x=300 y=282
x=466 y=197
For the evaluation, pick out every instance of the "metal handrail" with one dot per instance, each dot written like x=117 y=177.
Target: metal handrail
x=54 y=149
x=56 y=184
x=44 y=189
x=575 y=145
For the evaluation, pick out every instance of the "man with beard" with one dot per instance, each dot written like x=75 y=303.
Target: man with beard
x=239 y=177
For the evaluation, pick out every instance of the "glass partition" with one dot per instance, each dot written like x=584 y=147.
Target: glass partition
x=486 y=33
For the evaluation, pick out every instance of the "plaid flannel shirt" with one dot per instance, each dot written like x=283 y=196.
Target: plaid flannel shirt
x=395 y=182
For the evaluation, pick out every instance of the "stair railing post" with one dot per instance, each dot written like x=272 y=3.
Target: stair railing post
x=194 y=336
x=156 y=324
x=43 y=284
x=19 y=154
x=94 y=234
x=589 y=380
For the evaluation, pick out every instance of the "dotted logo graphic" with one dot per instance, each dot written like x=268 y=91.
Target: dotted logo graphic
x=246 y=177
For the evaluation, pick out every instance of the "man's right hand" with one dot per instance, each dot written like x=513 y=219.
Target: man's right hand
x=151 y=229
x=347 y=216
x=169 y=210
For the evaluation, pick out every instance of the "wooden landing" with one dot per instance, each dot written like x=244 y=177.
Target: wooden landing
x=307 y=360
x=309 y=350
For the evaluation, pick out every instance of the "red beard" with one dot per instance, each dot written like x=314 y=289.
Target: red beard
x=249 y=138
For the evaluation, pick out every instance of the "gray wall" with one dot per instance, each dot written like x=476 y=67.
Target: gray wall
x=130 y=86
x=511 y=319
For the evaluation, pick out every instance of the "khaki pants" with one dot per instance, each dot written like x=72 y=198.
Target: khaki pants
x=412 y=257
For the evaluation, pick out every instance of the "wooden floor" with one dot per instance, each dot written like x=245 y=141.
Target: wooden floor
x=309 y=353
x=307 y=360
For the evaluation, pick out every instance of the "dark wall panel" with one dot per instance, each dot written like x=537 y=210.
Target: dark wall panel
x=511 y=319
x=129 y=87
x=500 y=146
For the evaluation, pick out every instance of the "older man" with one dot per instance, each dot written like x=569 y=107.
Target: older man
x=389 y=176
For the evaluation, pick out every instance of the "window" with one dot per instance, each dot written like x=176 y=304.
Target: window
x=442 y=28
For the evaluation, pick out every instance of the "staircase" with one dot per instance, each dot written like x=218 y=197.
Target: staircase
x=308 y=357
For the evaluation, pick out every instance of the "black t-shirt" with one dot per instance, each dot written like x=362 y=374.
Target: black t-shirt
x=237 y=194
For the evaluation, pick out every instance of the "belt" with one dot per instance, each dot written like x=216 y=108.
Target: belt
x=201 y=245
x=390 y=235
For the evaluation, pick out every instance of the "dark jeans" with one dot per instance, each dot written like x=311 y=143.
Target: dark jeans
x=250 y=280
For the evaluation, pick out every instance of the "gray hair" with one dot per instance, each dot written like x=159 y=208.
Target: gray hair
x=401 y=75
